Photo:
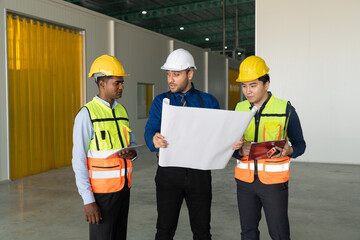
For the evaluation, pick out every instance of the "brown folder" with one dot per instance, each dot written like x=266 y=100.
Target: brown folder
x=259 y=150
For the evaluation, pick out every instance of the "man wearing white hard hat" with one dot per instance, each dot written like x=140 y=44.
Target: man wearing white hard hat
x=174 y=184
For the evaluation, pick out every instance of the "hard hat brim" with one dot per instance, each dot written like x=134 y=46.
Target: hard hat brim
x=245 y=80
x=122 y=75
x=176 y=69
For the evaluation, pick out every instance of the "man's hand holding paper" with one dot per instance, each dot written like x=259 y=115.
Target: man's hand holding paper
x=159 y=141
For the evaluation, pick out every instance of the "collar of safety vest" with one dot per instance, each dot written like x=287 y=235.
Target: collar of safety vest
x=105 y=102
x=264 y=104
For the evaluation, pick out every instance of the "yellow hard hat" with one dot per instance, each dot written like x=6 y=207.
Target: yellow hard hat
x=108 y=66
x=251 y=69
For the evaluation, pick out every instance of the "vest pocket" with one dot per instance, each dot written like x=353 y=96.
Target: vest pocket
x=272 y=130
x=276 y=170
x=244 y=170
x=106 y=175
x=125 y=131
x=103 y=140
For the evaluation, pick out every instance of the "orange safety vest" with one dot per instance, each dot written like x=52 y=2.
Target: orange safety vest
x=271 y=126
x=111 y=133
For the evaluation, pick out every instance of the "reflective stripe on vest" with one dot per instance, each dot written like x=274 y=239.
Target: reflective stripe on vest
x=108 y=174
x=111 y=133
x=268 y=168
x=271 y=126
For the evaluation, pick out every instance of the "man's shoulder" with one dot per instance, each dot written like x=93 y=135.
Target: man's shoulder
x=282 y=101
x=206 y=95
x=157 y=102
x=161 y=96
x=83 y=115
x=245 y=102
x=242 y=106
x=209 y=100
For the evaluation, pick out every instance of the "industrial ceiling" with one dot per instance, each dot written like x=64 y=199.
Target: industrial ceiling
x=200 y=23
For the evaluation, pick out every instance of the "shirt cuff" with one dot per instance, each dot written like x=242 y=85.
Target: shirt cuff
x=236 y=154
x=88 y=198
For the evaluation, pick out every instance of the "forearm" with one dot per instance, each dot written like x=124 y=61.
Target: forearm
x=83 y=182
x=298 y=149
x=148 y=135
x=295 y=134
x=82 y=134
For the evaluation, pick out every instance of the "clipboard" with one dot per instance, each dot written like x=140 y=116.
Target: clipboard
x=113 y=155
x=259 y=150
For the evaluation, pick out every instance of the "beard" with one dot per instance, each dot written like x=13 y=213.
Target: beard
x=181 y=87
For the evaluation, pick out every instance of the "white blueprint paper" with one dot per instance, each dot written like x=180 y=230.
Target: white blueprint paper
x=200 y=138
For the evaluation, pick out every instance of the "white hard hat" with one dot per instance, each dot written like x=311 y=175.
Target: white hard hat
x=178 y=60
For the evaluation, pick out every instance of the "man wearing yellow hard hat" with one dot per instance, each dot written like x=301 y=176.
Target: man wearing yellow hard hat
x=101 y=129
x=263 y=183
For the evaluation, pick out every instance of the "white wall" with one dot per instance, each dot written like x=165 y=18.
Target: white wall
x=312 y=48
x=218 y=78
x=141 y=52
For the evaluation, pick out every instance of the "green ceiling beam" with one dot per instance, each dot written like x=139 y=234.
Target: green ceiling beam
x=243 y=19
x=230 y=36
x=174 y=10
x=230 y=46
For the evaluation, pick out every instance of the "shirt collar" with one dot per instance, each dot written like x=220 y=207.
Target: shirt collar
x=190 y=92
x=106 y=103
x=264 y=104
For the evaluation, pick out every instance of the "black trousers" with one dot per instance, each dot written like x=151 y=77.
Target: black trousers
x=114 y=209
x=173 y=185
x=274 y=198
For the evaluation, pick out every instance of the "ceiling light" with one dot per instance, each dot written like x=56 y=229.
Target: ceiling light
x=144 y=12
x=225 y=47
x=207 y=39
x=182 y=28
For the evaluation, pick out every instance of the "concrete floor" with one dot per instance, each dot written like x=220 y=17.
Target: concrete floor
x=324 y=204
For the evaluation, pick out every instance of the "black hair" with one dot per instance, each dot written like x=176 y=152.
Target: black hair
x=189 y=69
x=102 y=78
x=265 y=78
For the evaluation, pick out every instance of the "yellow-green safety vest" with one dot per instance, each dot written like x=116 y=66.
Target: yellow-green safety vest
x=271 y=126
x=111 y=133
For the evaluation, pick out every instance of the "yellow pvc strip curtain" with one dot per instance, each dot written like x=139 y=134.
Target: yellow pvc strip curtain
x=45 y=69
x=234 y=89
x=149 y=97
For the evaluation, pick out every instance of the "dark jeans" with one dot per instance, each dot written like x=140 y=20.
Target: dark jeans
x=274 y=198
x=173 y=185
x=114 y=211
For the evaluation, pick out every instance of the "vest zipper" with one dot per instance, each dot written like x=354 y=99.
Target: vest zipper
x=257 y=121
x=118 y=129
x=122 y=144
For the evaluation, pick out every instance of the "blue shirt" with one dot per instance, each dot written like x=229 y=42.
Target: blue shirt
x=294 y=130
x=82 y=134
x=153 y=124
